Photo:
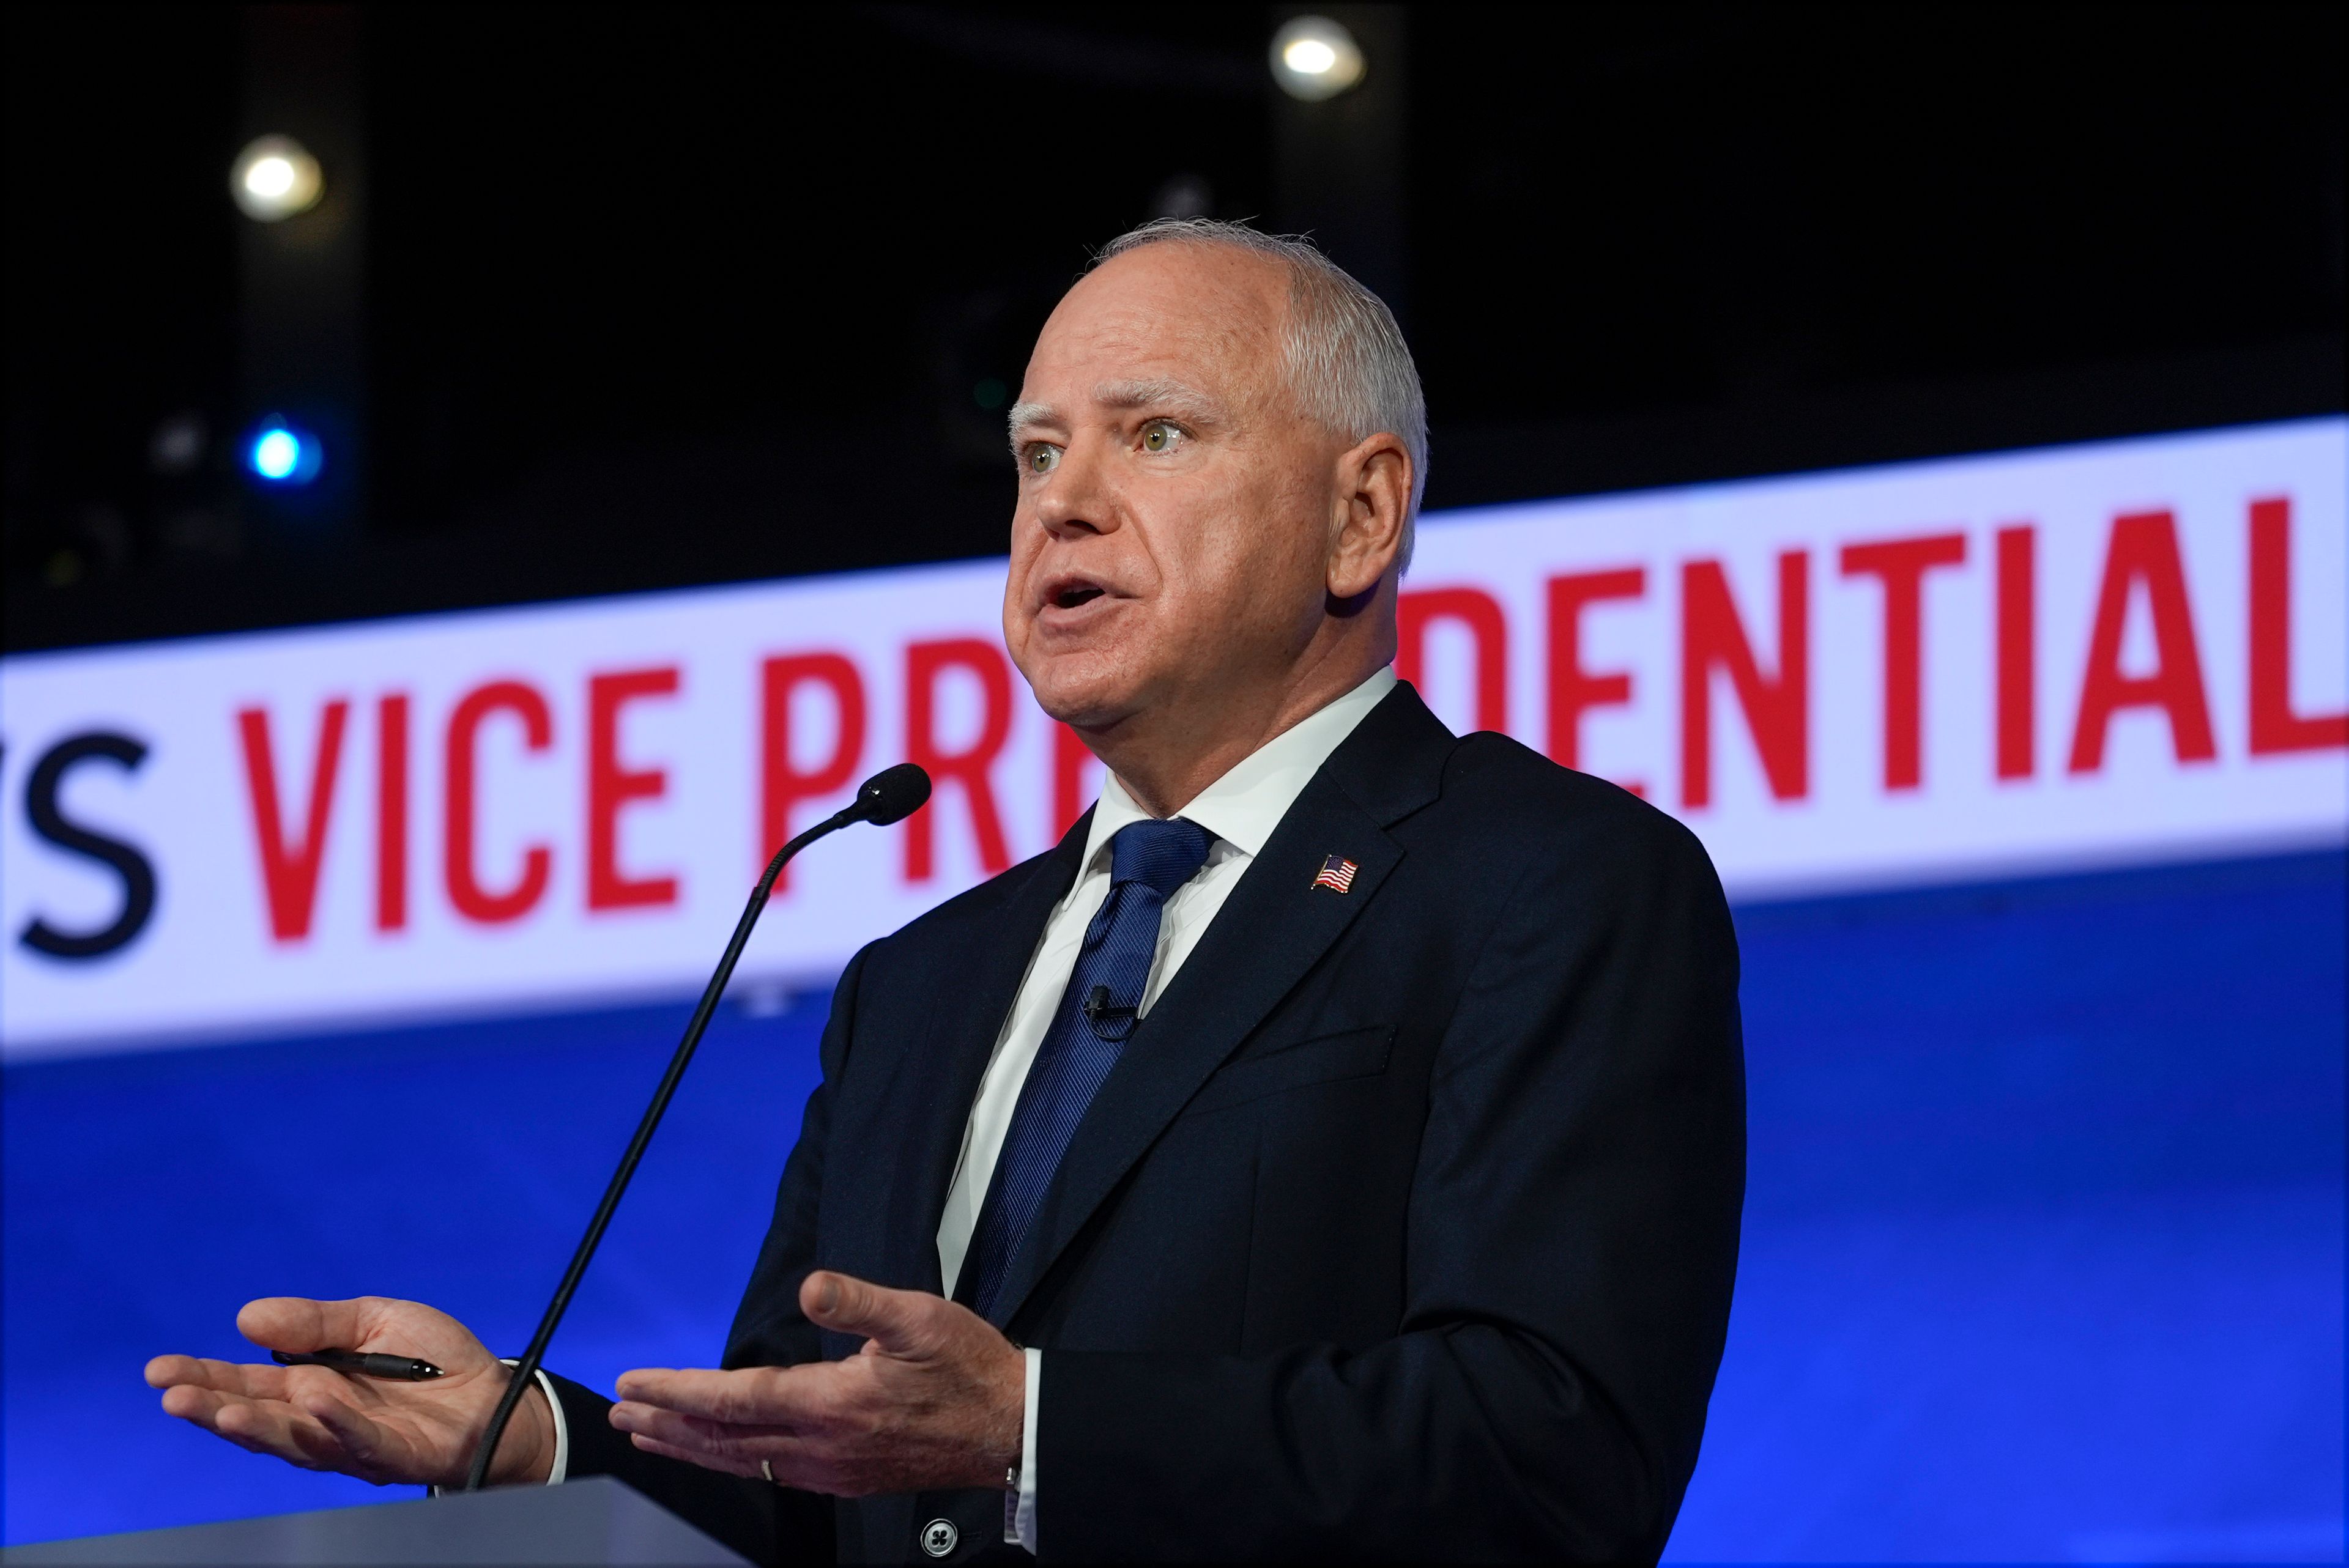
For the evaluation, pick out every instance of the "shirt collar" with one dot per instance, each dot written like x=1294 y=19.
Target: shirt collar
x=1244 y=806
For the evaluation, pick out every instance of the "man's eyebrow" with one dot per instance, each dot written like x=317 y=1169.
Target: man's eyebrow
x=1161 y=394
x=1026 y=417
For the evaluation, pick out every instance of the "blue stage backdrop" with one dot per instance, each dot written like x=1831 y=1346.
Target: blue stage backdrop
x=2044 y=1250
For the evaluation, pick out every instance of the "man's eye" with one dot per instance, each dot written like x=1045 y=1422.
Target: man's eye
x=1159 y=436
x=1044 y=458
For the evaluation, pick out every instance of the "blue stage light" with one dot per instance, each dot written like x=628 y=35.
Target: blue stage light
x=280 y=455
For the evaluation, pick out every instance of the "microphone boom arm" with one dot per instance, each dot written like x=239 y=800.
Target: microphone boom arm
x=887 y=796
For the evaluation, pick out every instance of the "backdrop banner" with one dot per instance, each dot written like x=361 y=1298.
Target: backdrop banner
x=1920 y=673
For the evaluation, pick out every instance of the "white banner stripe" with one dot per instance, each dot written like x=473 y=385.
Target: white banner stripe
x=1922 y=672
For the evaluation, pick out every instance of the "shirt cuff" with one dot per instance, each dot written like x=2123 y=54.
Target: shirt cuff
x=1020 y=1510
x=562 y=1470
x=562 y=1466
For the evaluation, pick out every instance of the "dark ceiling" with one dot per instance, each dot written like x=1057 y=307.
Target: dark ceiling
x=661 y=296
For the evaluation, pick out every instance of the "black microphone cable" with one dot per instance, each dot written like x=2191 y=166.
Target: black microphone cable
x=890 y=796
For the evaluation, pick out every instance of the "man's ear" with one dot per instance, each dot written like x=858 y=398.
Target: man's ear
x=1374 y=482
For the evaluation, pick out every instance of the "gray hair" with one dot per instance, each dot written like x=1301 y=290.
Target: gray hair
x=1349 y=366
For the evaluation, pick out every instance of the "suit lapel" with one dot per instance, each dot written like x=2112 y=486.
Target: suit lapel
x=1269 y=934
x=940 y=1078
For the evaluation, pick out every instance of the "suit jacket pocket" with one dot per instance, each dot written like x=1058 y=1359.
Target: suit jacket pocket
x=1326 y=1059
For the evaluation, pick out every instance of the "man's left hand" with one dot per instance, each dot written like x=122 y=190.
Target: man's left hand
x=936 y=1400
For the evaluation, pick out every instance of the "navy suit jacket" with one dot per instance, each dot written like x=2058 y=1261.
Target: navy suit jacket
x=1404 y=1227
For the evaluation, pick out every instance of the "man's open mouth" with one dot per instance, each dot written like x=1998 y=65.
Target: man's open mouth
x=1069 y=593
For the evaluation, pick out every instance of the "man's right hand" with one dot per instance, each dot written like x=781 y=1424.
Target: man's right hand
x=378 y=1430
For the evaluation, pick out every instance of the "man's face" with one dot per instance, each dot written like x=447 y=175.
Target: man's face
x=1176 y=515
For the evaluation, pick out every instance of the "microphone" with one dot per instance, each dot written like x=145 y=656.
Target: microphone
x=890 y=796
x=1110 y=1023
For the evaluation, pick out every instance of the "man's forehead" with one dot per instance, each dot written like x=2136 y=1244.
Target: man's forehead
x=1150 y=336
x=1215 y=278
x=1136 y=333
x=1178 y=294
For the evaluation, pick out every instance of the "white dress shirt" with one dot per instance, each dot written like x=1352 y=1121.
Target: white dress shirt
x=1241 y=809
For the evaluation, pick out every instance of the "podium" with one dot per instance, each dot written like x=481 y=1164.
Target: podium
x=595 y=1522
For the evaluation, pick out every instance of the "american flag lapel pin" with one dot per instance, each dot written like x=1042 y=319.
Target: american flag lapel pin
x=1337 y=874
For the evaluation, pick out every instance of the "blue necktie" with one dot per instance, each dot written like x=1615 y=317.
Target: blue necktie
x=1148 y=861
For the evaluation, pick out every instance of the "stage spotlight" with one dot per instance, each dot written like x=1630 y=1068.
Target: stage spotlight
x=275 y=178
x=1315 y=58
x=279 y=454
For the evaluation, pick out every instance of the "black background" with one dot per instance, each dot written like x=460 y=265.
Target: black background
x=669 y=296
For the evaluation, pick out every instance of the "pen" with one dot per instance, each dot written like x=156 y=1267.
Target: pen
x=402 y=1368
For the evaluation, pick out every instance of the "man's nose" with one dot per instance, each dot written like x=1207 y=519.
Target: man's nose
x=1076 y=499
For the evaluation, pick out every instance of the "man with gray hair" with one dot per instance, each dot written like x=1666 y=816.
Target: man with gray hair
x=1333 y=1148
